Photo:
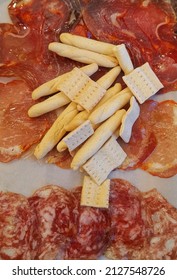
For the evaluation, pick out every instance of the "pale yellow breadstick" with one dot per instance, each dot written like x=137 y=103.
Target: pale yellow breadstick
x=82 y=55
x=108 y=108
x=87 y=44
x=61 y=146
x=50 y=87
x=108 y=79
x=100 y=136
x=56 y=132
x=109 y=93
x=54 y=102
x=79 y=119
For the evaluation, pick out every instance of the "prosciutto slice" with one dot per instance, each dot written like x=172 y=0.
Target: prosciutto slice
x=146 y=27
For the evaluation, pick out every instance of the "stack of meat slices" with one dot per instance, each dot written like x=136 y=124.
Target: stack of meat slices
x=149 y=36
x=51 y=224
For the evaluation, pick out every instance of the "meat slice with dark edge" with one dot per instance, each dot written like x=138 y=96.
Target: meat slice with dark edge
x=146 y=27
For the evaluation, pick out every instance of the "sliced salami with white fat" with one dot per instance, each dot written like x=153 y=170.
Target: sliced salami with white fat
x=17 y=223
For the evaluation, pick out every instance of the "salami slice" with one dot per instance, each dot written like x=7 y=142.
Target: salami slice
x=17 y=223
x=163 y=242
x=18 y=132
x=129 y=221
x=92 y=234
x=146 y=27
x=162 y=161
x=56 y=211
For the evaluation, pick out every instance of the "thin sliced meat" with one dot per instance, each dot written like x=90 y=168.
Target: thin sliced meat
x=163 y=243
x=129 y=221
x=24 y=50
x=144 y=224
x=163 y=160
x=161 y=248
x=146 y=27
x=17 y=222
x=18 y=132
x=56 y=211
x=92 y=236
x=163 y=215
x=62 y=160
x=143 y=140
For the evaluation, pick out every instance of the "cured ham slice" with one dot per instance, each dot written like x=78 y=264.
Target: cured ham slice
x=17 y=222
x=146 y=27
x=24 y=45
x=18 y=132
x=143 y=140
x=92 y=234
x=56 y=212
x=163 y=160
x=152 y=144
x=129 y=221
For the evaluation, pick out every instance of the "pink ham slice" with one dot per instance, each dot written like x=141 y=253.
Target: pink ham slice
x=18 y=132
x=146 y=27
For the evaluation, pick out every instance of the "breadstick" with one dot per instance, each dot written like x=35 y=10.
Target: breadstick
x=100 y=136
x=56 y=132
x=79 y=119
x=50 y=87
x=54 y=102
x=87 y=44
x=82 y=55
x=109 y=93
x=108 y=108
x=108 y=79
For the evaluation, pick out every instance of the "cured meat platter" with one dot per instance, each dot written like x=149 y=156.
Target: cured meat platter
x=25 y=175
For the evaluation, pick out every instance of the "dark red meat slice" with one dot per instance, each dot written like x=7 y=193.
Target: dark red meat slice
x=162 y=162
x=143 y=140
x=56 y=211
x=24 y=46
x=146 y=27
x=129 y=221
x=92 y=234
x=17 y=223
x=18 y=132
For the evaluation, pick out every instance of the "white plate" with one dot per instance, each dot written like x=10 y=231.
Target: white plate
x=26 y=175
